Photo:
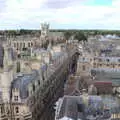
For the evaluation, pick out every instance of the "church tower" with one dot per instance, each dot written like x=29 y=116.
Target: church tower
x=7 y=59
x=44 y=33
x=6 y=74
x=44 y=29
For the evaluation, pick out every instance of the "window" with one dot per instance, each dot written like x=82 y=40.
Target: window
x=118 y=60
x=107 y=60
x=38 y=82
x=33 y=87
x=28 y=44
x=2 y=109
x=14 y=44
x=83 y=67
x=15 y=98
x=17 y=45
x=100 y=60
x=18 y=119
x=17 y=109
x=31 y=44
x=23 y=45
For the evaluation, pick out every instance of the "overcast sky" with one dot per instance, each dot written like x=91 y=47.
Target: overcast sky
x=61 y=14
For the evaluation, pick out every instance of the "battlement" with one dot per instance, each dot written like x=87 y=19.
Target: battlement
x=45 y=25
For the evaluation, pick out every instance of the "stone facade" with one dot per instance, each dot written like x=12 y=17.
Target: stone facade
x=24 y=92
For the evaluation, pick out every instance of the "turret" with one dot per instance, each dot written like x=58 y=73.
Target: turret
x=7 y=58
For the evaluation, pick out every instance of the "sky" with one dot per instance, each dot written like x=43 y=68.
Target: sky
x=60 y=14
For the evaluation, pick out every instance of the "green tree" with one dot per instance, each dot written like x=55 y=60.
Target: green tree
x=67 y=34
x=80 y=36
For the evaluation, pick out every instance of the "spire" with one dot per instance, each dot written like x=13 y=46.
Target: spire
x=49 y=46
x=5 y=58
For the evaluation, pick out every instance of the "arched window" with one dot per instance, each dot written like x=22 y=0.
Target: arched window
x=107 y=60
x=33 y=87
x=17 y=45
x=83 y=67
x=16 y=98
x=29 y=44
x=18 y=67
x=38 y=82
x=17 y=109
x=23 y=45
x=14 y=44
x=20 y=45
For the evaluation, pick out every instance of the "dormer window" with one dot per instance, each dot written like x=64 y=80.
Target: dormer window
x=15 y=98
x=83 y=58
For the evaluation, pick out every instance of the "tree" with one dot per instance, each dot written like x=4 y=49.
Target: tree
x=80 y=36
x=67 y=34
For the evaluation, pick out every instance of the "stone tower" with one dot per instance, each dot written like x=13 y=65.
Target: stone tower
x=6 y=75
x=7 y=59
x=84 y=65
x=44 y=29
x=44 y=33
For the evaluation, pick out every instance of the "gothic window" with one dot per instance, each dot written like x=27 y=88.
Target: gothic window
x=18 y=67
x=107 y=60
x=17 y=45
x=20 y=45
x=17 y=109
x=38 y=82
x=23 y=45
x=83 y=67
x=29 y=44
x=2 y=109
x=100 y=60
x=14 y=44
x=33 y=87
x=15 y=98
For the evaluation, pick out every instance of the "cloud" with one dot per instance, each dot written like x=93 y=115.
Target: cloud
x=16 y=14
x=57 y=4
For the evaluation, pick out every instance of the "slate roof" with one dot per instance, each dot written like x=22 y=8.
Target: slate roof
x=69 y=107
x=108 y=75
x=73 y=107
x=22 y=82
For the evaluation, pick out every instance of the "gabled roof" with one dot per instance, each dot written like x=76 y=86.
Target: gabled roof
x=22 y=82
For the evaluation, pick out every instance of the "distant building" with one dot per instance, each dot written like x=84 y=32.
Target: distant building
x=81 y=107
x=17 y=86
